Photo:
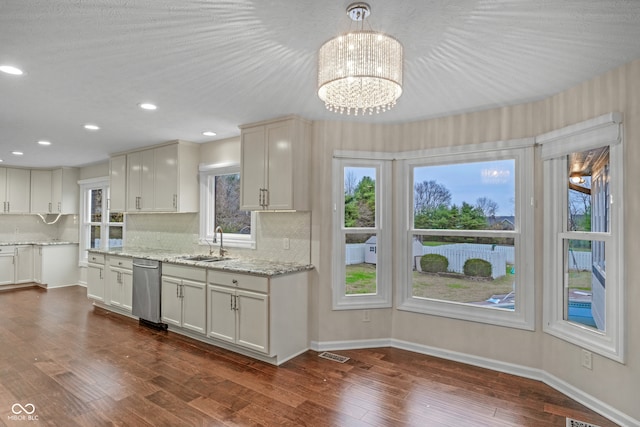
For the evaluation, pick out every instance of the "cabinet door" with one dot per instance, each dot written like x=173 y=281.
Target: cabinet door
x=117 y=183
x=24 y=268
x=280 y=166
x=95 y=282
x=253 y=320
x=166 y=178
x=171 y=304
x=37 y=264
x=140 y=185
x=19 y=190
x=7 y=269
x=222 y=316
x=252 y=164
x=64 y=190
x=126 y=282
x=41 y=201
x=194 y=306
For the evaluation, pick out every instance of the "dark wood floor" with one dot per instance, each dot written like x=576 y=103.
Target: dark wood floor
x=80 y=366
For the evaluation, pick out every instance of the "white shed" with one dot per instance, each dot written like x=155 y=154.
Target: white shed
x=370 y=250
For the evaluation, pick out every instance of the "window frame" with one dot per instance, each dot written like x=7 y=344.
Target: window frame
x=605 y=130
x=522 y=151
x=86 y=186
x=383 y=296
x=207 y=209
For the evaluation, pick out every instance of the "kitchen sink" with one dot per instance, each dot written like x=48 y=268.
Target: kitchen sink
x=204 y=258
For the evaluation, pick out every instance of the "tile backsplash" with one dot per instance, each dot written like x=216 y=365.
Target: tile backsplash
x=31 y=228
x=275 y=231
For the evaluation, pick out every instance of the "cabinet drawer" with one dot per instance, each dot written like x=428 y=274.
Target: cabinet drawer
x=240 y=281
x=196 y=274
x=121 y=262
x=96 y=258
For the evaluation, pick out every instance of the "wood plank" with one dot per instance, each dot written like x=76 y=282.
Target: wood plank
x=80 y=365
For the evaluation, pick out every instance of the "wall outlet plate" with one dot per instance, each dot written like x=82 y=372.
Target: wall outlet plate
x=587 y=359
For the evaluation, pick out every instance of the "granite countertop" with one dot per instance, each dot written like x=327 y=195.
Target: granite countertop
x=48 y=243
x=230 y=264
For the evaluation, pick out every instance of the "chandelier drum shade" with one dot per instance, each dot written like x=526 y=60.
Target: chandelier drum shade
x=360 y=71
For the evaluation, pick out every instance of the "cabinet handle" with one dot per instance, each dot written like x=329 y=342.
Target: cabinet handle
x=235 y=282
x=260 y=196
x=235 y=302
x=59 y=206
x=50 y=207
x=266 y=197
x=175 y=201
x=100 y=273
x=230 y=302
x=8 y=206
x=177 y=291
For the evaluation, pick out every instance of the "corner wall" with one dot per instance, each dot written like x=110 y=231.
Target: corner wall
x=612 y=383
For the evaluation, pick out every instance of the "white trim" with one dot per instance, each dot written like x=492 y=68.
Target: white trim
x=597 y=132
x=206 y=235
x=556 y=383
x=523 y=316
x=384 y=256
x=610 y=342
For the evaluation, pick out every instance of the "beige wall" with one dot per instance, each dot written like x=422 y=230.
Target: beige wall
x=97 y=170
x=222 y=151
x=613 y=383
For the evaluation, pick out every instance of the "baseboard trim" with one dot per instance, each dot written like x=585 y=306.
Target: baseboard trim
x=578 y=395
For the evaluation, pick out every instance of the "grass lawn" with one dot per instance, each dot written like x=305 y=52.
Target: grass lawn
x=361 y=279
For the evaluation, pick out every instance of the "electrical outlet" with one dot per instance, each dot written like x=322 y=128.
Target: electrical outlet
x=587 y=359
x=285 y=243
x=366 y=316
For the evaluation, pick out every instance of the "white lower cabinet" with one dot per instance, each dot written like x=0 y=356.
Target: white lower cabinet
x=184 y=299
x=7 y=265
x=119 y=282
x=95 y=277
x=24 y=264
x=55 y=265
x=267 y=315
x=239 y=317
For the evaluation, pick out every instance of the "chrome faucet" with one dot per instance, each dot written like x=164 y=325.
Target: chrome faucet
x=223 y=251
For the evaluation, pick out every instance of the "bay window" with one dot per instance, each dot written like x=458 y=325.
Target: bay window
x=583 y=264
x=466 y=233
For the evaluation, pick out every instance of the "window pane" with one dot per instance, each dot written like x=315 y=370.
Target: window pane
x=588 y=184
x=227 y=205
x=477 y=270
x=116 y=217
x=359 y=197
x=94 y=237
x=361 y=264
x=115 y=237
x=465 y=196
x=95 y=210
x=585 y=288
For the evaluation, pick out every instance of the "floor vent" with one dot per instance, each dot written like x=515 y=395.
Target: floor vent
x=575 y=423
x=336 y=357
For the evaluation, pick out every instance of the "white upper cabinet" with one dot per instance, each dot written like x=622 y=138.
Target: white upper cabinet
x=117 y=183
x=15 y=190
x=163 y=179
x=41 y=201
x=65 y=190
x=54 y=191
x=275 y=165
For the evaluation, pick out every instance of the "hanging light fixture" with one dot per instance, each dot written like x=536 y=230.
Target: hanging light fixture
x=360 y=71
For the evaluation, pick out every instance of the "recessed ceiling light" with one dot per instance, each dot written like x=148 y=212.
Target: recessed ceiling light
x=17 y=153
x=208 y=133
x=44 y=142
x=89 y=126
x=1 y=160
x=10 y=69
x=147 y=106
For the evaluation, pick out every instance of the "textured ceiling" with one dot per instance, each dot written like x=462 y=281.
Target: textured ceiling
x=213 y=65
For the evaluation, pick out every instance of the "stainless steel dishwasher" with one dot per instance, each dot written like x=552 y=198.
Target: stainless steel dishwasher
x=147 y=292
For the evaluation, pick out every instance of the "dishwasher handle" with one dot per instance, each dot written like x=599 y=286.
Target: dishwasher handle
x=150 y=267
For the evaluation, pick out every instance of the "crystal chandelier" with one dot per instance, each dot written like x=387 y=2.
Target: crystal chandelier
x=360 y=71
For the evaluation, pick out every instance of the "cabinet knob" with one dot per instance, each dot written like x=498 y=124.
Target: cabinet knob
x=235 y=281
